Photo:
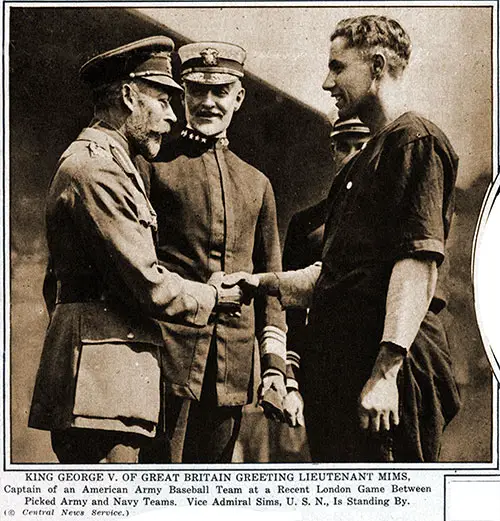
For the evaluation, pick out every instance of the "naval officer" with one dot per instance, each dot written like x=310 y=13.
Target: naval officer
x=216 y=213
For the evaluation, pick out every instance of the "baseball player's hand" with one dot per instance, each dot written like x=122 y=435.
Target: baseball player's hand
x=293 y=409
x=379 y=404
x=229 y=299
x=247 y=282
x=379 y=400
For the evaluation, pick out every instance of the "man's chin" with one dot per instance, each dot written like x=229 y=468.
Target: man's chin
x=208 y=129
x=345 y=112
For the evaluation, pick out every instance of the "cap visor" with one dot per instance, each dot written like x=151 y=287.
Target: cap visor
x=350 y=131
x=166 y=81
x=210 y=78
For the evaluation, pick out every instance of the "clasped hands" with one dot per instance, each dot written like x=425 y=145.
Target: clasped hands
x=234 y=290
x=379 y=401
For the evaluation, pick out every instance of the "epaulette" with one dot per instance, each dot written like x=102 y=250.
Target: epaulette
x=96 y=150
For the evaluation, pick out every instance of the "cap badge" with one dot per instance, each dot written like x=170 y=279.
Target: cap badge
x=210 y=57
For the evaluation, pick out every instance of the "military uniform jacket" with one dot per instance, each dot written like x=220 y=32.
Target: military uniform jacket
x=100 y=362
x=216 y=212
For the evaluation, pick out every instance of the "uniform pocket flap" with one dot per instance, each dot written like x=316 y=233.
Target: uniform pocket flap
x=118 y=381
x=101 y=324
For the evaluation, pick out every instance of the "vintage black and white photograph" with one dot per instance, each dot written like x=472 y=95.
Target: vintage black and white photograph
x=243 y=235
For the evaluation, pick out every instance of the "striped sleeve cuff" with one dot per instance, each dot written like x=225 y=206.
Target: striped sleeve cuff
x=292 y=368
x=272 y=346
x=293 y=359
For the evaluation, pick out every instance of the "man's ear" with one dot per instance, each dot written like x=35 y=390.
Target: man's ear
x=129 y=96
x=379 y=63
x=239 y=99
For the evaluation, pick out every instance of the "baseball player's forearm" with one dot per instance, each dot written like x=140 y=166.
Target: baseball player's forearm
x=411 y=288
x=293 y=288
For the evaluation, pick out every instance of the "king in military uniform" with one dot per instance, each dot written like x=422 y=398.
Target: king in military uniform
x=215 y=213
x=98 y=384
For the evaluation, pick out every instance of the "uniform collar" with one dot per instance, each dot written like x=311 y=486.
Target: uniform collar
x=116 y=135
x=115 y=142
x=194 y=136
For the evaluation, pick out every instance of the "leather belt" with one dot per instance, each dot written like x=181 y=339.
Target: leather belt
x=68 y=292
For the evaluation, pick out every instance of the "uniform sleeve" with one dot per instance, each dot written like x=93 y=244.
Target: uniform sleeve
x=116 y=219
x=270 y=318
x=420 y=228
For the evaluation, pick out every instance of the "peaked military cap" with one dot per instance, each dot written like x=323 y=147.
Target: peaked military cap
x=349 y=126
x=214 y=63
x=148 y=59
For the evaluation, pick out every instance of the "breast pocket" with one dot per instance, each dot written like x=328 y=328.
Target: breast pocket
x=118 y=374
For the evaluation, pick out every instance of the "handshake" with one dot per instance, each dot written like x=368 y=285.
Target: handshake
x=234 y=291
x=240 y=288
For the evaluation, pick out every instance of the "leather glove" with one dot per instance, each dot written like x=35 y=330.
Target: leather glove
x=271 y=393
x=293 y=409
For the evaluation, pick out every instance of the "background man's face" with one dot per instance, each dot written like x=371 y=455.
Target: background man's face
x=210 y=108
x=349 y=78
x=151 y=117
x=344 y=147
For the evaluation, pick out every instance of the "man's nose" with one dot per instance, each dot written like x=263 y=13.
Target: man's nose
x=170 y=114
x=329 y=82
x=208 y=100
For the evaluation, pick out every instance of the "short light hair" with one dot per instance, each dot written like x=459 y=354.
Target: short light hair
x=373 y=33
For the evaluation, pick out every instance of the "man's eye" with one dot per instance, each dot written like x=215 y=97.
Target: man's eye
x=196 y=90
x=336 y=67
x=221 y=91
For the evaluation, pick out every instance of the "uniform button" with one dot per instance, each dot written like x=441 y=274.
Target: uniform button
x=349 y=185
x=130 y=335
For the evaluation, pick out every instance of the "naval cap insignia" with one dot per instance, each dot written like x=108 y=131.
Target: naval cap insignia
x=210 y=57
